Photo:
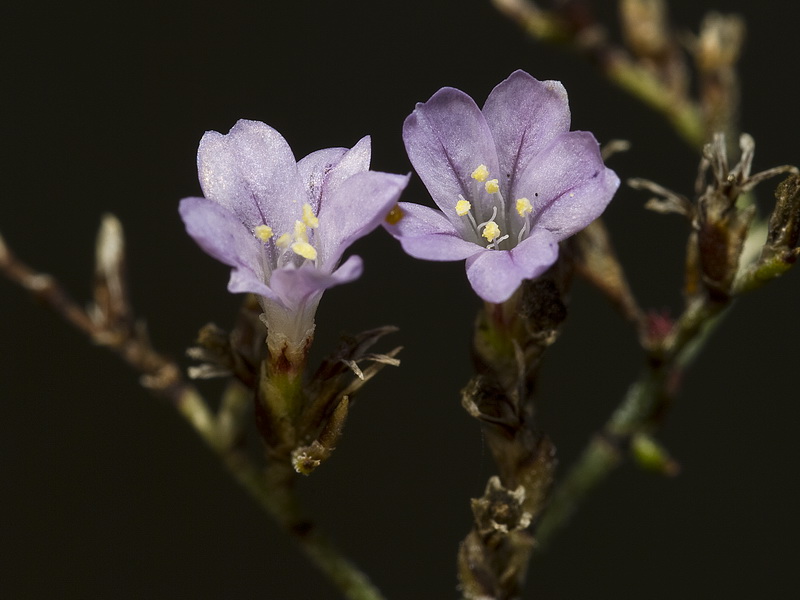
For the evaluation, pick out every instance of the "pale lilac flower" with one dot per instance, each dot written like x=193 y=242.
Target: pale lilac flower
x=283 y=225
x=511 y=181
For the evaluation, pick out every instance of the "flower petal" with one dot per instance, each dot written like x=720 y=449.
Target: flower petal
x=493 y=275
x=534 y=255
x=353 y=161
x=446 y=139
x=426 y=233
x=496 y=274
x=568 y=184
x=219 y=233
x=243 y=281
x=312 y=170
x=295 y=286
x=354 y=208
x=324 y=170
x=251 y=171
x=524 y=115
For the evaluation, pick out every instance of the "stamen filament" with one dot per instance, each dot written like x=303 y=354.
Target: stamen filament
x=522 y=232
x=492 y=218
x=474 y=223
x=464 y=208
x=496 y=243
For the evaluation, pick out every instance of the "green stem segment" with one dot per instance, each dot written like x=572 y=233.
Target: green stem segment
x=551 y=26
x=272 y=488
x=638 y=413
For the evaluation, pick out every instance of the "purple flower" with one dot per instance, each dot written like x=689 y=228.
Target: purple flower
x=511 y=181
x=283 y=225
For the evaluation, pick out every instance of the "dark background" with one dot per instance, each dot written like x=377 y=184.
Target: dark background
x=107 y=493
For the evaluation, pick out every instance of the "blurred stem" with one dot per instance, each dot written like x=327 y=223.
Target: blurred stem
x=550 y=26
x=684 y=115
x=639 y=412
x=272 y=486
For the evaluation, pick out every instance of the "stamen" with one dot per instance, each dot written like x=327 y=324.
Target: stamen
x=309 y=218
x=522 y=232
x=300 y=231
x=394 y=216
x=491 y=231
x=496 y=243
x=462 y=206
x=492 y=218
x=524 y=207
x=263 y=232
x=305 y=250
x=480 y=173
x=297 y=240
x=492 y=186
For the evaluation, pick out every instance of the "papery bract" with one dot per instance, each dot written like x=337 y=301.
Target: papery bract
x=511 y=181
x=284 y=225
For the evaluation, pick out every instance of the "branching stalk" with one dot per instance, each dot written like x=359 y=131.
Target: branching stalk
x=638 y=413
x=271 y=486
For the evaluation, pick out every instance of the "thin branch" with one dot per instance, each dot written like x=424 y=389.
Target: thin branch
x=658 y=82
x=45 y=289
x=270 y=486
x=638 y=413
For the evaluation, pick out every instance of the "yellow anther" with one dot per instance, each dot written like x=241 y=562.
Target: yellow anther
x=283 y=241
x=309 y=218
x=524 y=207
x=462 y=207
x=300 y=231
x=305 y=250
x=298 y=241
x=394 y=216
x=263 y=232
x=481 y=173
x=492 y=186
x=491 y=232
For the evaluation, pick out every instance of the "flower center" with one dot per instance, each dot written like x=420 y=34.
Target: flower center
x=490 y=230
x=295 y=242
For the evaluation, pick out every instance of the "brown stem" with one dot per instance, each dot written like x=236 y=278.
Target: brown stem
x=660 y=86
x=270 y=486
